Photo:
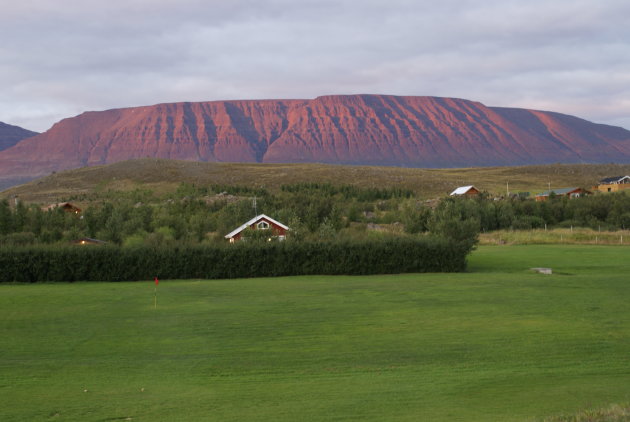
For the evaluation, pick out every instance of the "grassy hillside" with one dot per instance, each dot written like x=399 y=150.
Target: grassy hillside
x=499 y=343
x=165 y=175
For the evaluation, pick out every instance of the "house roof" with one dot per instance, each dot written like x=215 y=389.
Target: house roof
x=84 y=240
x=58 y=205
x=254 y=221
x=562 y=191
x=610 y=180
x=462 y=190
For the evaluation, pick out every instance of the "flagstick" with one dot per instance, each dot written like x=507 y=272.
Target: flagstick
x=155 y=292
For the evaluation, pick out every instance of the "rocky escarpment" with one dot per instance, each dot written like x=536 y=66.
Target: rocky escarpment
x=352 y=129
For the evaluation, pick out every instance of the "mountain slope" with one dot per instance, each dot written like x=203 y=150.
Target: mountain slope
x=353 y=129
x=11 y=135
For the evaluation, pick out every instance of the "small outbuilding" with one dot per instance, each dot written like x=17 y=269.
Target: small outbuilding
x=466 y=191
x=277 y=230
x=66 y=206
x=570 y=192
x=88 y=241
x=613 y=184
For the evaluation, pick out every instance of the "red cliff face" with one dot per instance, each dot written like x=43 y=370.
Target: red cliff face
x=353 y=129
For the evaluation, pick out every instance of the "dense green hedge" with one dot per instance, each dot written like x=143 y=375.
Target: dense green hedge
x=109 y=263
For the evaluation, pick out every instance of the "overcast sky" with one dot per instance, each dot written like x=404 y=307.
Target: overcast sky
x=60 y=58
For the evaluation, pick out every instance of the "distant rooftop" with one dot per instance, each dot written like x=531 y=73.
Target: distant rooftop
x=562 y=191
x=462 y=190
x=613 y=180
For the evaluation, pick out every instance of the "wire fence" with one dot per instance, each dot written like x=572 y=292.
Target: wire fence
x=570 y=236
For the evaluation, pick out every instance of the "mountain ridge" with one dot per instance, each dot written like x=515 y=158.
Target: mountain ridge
x=11 y=135
x=368 y=129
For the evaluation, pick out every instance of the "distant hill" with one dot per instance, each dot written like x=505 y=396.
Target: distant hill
x=427 y=132
x=11 y=135
x=163 y=176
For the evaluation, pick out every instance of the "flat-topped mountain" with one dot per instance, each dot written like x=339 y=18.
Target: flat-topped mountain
x=342 y=129
x=11 y=135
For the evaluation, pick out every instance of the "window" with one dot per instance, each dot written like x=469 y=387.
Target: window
x=263 y=225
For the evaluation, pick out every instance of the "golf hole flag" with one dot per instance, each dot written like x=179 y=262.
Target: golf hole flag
x=155 y=292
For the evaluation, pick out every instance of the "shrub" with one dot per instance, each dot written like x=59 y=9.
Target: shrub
x=18 y=239
x=458 y=220
x=244 y=259
x=526 y=222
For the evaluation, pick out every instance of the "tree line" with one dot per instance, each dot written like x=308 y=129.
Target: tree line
x=194 y=214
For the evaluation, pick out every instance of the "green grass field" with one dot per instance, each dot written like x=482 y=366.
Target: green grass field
x=499 y=343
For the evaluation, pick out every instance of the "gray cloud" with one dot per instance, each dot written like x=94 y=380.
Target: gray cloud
x=66 y=57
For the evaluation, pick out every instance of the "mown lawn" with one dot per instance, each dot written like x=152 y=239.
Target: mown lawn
x=499 y=343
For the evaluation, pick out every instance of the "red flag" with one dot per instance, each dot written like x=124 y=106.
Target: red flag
x=156 y=281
